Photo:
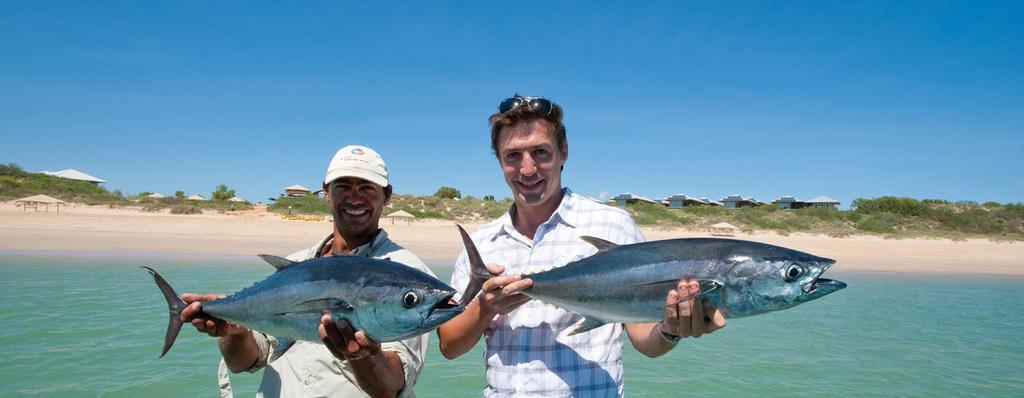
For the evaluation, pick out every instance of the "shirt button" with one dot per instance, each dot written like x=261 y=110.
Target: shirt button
x=307 y=382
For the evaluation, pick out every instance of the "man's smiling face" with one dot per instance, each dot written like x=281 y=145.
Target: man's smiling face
x=356 y=205
x=532 y=163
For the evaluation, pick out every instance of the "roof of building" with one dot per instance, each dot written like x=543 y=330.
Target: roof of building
x=236 y=199
x=786 y=199
x=738 y=198
x=296 y=187
x=196 y=197
x=401 y=214
x=630 y=196
x=40 y=199
x=73 y=174
x=823 y=199
x=155 y=195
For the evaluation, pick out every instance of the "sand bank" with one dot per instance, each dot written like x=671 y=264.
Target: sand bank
x=82 y=228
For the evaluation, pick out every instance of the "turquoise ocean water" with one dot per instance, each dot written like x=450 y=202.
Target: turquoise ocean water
x=93 y=326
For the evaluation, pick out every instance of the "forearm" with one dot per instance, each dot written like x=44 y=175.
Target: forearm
x=379 y=375
x=646 y=338
x=461 y=333
x=240 y=351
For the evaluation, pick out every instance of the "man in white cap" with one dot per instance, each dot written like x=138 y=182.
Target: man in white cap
x=347 y=364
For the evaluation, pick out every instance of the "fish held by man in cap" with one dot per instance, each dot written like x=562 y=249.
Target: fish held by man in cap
x=628 y=283
x=386 y=300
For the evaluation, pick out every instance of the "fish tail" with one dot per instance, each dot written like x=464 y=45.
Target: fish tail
x=478 y=273
x=174 y=306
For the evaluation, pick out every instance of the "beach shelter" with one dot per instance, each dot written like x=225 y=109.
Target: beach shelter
x=196 y=197
x=155 y=196
x=236 y=199
x=723 y=229
x=401 y=215
x=36 y=200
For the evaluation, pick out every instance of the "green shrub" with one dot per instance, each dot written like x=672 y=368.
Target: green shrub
x=906 y=207
x=9 y=182
x=882 y=223
x=651 y=213
x=446 y=192
x=820 y=213
x=222 y=193
x=12 y=170
x=424 y=214
x=309 y=204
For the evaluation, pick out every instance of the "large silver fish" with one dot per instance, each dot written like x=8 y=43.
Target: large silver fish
x=386 y=300
x=628 y=283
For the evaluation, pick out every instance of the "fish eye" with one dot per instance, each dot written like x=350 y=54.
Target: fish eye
x=410 y=299
x=794 y=271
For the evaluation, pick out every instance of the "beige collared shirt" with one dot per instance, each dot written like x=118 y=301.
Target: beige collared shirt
x=308 y=369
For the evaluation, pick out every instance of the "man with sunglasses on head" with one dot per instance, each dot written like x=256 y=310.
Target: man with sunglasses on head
x=529 y=351
x=348 y=363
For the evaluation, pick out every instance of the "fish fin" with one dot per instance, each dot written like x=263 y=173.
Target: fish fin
x=278 y=262
x=477 y=270
x=282 y=346
x=600 y=244
x=587 y=325
x=328 y=305
x=174 y=307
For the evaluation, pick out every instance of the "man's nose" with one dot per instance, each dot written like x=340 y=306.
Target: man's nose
x=528 y=167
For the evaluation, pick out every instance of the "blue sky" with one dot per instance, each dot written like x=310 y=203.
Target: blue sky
x=804 y=98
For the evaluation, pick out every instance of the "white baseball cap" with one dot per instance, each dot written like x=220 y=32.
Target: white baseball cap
x=360 y=162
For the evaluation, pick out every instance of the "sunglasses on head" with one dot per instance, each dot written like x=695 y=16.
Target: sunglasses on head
x=535 y=104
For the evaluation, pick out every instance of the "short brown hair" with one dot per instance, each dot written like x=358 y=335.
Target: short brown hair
x=522 y=114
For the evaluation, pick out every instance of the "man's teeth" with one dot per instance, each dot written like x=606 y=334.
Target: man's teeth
x=355 y=212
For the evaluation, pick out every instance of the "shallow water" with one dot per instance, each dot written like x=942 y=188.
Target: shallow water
x=90 y=326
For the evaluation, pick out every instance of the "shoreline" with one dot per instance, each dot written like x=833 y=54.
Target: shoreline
x=97 y=231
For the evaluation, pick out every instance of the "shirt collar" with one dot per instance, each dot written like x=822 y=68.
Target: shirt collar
x=364 y=251
x=565 y=213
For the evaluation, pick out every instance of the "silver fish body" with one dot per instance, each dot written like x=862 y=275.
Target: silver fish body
x=629 y=283
x=386 y=300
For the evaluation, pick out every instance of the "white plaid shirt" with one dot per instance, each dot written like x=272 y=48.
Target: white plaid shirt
x=528 y=350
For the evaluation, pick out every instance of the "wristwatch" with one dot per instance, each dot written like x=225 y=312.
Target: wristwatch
x=668 y=337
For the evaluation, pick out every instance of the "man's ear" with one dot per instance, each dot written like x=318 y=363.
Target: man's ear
x=327 y=192
x=387 y=194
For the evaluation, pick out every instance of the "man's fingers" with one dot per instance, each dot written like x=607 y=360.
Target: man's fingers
x=331 y=337
x=348 y=333
x=193 y=297
x=506 y=304
x=716 y=319
x=191 y=311
x=672 y=311
x=495 y=269
x=497 y=283
x=515 y=287
x=199 y=324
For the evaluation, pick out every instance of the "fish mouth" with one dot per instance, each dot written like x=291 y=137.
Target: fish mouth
x=824 y=283
x=447 y=306
x=819 y=286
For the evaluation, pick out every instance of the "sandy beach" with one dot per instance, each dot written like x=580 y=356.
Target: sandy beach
x=101 y=230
